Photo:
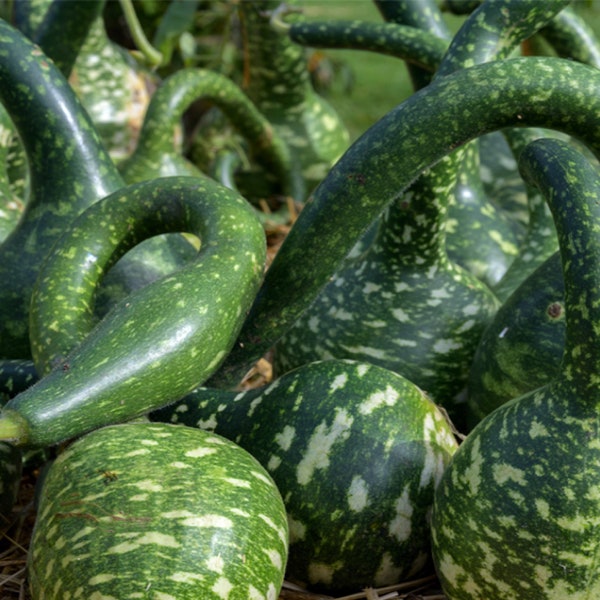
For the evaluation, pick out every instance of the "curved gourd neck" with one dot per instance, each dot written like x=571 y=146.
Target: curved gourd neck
x=277 y=79
x=571 y=186
x=177 y=93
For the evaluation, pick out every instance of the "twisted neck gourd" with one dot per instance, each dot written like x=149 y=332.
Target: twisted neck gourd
x=521 y=491
x=277 y=80
x=69 y=170
x=354 y=449
x=402 y=303
x=146 y=352
x=529 y=91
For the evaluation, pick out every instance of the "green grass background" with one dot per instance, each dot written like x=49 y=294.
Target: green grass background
x=380 y=82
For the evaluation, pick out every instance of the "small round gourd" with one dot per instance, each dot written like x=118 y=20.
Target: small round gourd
x=153 y=510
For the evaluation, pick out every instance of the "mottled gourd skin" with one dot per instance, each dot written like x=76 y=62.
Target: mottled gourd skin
x=160 y=511
x=401 y=304
x=356 y=452
x=521 y=349
x=140 y=350
x=517 y=512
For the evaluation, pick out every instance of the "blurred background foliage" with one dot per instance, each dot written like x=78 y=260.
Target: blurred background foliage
x=361 y=86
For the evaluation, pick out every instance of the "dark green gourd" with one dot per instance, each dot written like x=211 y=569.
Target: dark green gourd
x=402 y=303
x=522 y=347
x=157 y=511
x=381 y=164
x=516 y=513
x=278 y=83
x=69 y=170
x=114 y=88
x=356 y=452
x=160 y=342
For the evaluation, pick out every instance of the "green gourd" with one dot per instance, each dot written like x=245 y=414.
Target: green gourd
x=278 y=83
x=160 y=342
x=11 y=204
x=521 y=348
x=68 y=166
x=157 y=511
x=402 y=303
x=356 y=452
x=528 y=91
x=516 y=513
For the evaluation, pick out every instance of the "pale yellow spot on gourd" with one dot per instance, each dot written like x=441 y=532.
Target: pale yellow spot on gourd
x=179 y=465
x=240 y=512
x=387 y=397
x=285 y=438
x=254 y=594
x=275 y=557
x=210 y=520
x=320 y=444
x=387 y=573
x=577 y=524
x=401 y=525
x=297 y=530
x=148 y=485
x=322 y=573
x=163 y=596
x=138 y=452
x=472 y=474
x=200 y=452
x=185 y=577
x=158 y=538
x=122 y=548
x=242 y=483
x=442 y=346
x=69 y=558
x=138 y=498
x=542 y=507
x=149 y=442
x=83 y=532
x=358 y=494
x=101 y=578
x=537 y=430
x=339 y=382
x=504 y=472
x=100 y=596
x=222 y=587
x=400 y=315
x=215 y=563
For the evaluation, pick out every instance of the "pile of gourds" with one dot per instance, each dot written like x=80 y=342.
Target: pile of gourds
x=430 y=316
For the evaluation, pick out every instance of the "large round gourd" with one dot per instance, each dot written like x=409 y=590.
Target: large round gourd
x=517 y=512
x=157 y=511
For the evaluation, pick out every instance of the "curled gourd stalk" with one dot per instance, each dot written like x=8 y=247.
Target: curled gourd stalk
x=387 y=446
x=138 y=351
x=403 y=303
x=522 y=488
x=369 y=180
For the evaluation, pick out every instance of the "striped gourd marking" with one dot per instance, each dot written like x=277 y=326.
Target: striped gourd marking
x=356 y=452
x=160 y=511
x=517 y=513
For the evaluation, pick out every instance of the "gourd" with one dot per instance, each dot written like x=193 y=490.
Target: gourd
x=157 y=510
x=368 y=179
x=11 y=204
x=356 y=452
x=140 y=350
x=69 y=170
x=114 y=88
x=516 y=512
x=402 y=303
x=278 y=83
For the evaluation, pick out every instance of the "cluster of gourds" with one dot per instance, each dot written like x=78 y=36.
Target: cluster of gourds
x=447 y=263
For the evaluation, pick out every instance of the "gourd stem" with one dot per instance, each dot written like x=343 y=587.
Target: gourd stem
x=400 y=41
x=64 y=30
x=571 y=186
x=151 y=54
